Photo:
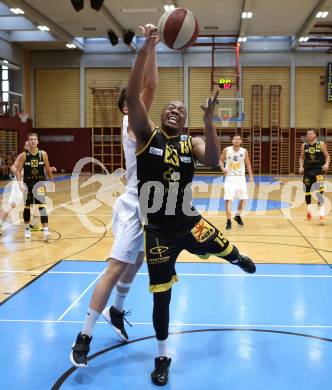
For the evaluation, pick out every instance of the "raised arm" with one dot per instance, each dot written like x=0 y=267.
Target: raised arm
x=137 y=113
x=208 y=152
x=325 y=167
x=301 y=160
x=150 y=81
x=248 y=166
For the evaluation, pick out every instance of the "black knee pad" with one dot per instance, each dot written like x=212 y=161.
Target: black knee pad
x=161 y=301
x=26 y=214
x=43 y=215
x=308 y=199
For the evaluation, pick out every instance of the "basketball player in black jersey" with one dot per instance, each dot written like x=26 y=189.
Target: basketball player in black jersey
x=314 y=162
x=165 y=170
x=34 y=162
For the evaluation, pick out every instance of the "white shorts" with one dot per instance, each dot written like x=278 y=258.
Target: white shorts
x=127 y=229
x=235 y=188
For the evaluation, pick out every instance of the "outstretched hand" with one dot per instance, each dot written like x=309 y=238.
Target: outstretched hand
x=150 y=32
x=209 y=109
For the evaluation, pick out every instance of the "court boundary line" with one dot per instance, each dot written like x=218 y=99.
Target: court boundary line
x=79 y=297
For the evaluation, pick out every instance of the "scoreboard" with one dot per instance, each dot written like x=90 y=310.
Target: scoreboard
x=329 y=82
x=225 y=83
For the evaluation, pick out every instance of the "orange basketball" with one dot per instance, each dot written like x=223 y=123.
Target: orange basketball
x=178 y=29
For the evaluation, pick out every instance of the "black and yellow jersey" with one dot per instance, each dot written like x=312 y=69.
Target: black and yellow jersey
x=313 y=157
x=165 y=170
x=34 y=168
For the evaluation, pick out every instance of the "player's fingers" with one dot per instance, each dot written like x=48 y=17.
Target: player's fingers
x=215 y=96
x=203 y=108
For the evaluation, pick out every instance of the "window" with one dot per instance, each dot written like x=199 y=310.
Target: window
x=4 y=86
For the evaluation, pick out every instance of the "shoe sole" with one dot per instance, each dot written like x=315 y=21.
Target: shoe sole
x=72 y=360
x=105 y=314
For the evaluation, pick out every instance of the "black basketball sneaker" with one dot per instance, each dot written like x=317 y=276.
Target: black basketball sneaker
x=116 y=319
x=159 y=375
x=246 y=264
x=238 y=219
x=80 y=350
x=228 y=224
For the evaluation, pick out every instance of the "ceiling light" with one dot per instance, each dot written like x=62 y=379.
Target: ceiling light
x=97 y=4
x=322 y=14
x=77 y=4
x=114 y=39
x=247 y=15
x=303 y=39
x=43 y=28
x=71 y=46
x=242 y=39
x=169 y=7
x=17 y=11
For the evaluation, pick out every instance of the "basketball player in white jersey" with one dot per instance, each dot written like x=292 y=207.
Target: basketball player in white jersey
x=127 y=253
x=233 y=162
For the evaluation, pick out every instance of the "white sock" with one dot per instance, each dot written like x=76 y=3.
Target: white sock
x=120 y=296
x=162 y=347
x=33 y=221
x=322 y=211
x=45 y=229
x=27 y=226
x=90 y=321
x=309 y=208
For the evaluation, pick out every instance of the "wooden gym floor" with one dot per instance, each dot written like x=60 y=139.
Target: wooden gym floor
x=277 y=235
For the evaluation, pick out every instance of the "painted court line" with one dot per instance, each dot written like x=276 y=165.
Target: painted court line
x=182 y=274
x=178 y=324
x=77 y=299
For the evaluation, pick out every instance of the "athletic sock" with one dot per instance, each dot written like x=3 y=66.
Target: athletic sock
x=309 y=208
x=26 y=226
x=120 y=296
x=322 y=211
x=162 y=347
x=45 y=229
x=90 y=321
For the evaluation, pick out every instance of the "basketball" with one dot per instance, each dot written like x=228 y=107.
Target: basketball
x=178 y=29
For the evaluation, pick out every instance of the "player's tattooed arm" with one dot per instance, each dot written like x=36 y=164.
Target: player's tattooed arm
x=301 y=160
x=325 y=167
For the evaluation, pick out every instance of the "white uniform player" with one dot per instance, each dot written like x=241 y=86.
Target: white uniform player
x=233 y=162
x=126 y=224
x=235 y=180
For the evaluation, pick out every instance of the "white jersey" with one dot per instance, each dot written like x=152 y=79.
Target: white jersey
x=235 y=161
x=129 y=148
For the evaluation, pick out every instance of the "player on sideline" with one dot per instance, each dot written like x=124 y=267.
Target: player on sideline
x=127 y=253
x=165 y=170
x=314 y=162
x=16 y=196
x=35 y=163
x=233 y=162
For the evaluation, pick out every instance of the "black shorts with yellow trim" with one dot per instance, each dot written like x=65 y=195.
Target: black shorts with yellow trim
x=313 y=182
x=163 y=248
x=36 y=195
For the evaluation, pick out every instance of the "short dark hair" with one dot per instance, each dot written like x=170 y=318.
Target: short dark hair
x=122 y=99
x=236 y=135
x=32 y=135
x=314 y=130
